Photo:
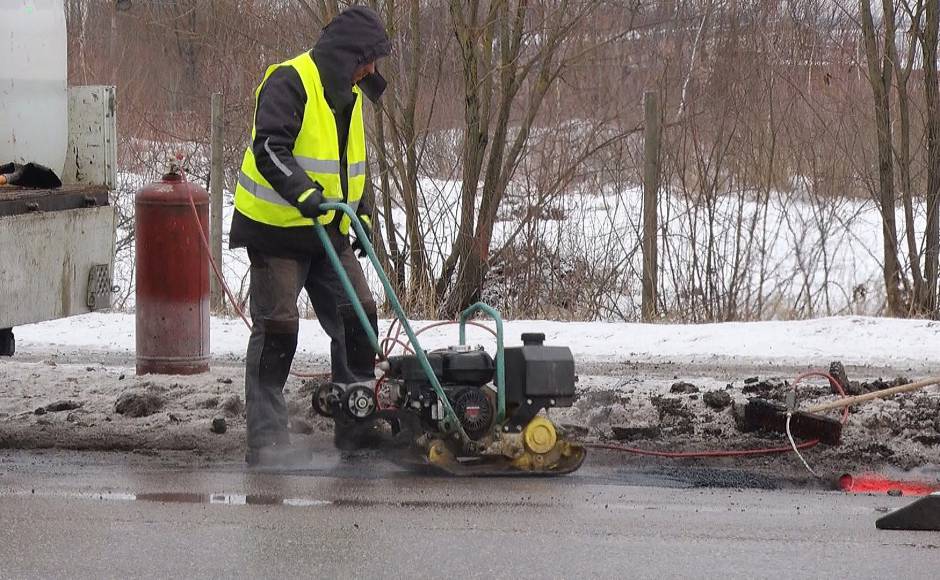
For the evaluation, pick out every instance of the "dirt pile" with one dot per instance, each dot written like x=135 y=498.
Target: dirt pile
x=140 y=402
x=654 y=407
x=901 y=432
x=49 y=404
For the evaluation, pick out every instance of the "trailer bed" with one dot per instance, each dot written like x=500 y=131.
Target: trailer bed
x=20 y=200
x=56 y=253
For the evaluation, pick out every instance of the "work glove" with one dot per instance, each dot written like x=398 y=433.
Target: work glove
x=29 y=175
x=11 y=174
x=309 y=203
x=357 y=244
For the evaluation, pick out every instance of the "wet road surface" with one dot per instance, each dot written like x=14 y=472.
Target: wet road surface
x=125 y=515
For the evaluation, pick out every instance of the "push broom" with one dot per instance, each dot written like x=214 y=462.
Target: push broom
x=809 y=423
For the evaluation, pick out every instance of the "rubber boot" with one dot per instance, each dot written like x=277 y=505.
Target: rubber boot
x=360 y=356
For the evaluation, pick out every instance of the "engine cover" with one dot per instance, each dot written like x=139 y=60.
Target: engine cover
x=536 y=371
x=452 y=366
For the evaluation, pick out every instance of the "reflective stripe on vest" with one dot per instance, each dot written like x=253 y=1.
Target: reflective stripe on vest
x=260 y=191
x=318 y=165
x=356 y=169
x=315 y=150
x=271 y=196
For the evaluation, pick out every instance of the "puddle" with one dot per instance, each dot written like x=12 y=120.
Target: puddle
x=231 y=499
x=235 y=499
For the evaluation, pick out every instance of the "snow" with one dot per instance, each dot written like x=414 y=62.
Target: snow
x=807 y=256
x=793 y=252
x=852 y=339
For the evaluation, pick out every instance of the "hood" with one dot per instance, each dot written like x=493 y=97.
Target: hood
x=355 y=37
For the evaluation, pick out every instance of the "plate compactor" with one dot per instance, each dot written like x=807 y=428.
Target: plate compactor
x=459 y=410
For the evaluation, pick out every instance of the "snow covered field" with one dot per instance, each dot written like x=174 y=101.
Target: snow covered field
x=853 y=339
x=788 y=256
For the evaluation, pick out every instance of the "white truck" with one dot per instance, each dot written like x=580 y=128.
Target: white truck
x=56 y=245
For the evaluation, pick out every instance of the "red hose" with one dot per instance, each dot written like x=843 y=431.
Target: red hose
x=397 y=325
x=452 y=322
x=228 y=292
x=215 y=267
x=394 y=341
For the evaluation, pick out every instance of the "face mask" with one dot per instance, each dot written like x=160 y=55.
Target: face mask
x=373 y=86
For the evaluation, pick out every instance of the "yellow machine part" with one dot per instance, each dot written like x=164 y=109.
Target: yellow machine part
x=439 y=454
x=537 y=451
x=539 y=435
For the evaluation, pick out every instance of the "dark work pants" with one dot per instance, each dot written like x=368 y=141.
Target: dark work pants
x=275 y=286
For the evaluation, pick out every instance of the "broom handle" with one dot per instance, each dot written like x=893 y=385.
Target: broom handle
x=848 y=401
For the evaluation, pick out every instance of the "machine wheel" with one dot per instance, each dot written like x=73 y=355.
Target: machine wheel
x=359 y=402
x=324 y=397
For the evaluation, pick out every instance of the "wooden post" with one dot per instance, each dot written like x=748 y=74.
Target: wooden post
x=216 y=183
x=651 y=173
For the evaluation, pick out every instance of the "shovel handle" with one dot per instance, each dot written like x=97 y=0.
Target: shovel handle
x=849 y=401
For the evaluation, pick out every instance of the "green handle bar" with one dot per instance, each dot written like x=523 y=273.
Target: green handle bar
x=500 y=363
x=450 y=417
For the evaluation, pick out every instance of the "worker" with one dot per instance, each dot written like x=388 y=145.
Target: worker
x=307 y=147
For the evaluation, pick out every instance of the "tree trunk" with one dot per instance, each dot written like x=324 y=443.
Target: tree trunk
x=879 y=79
x=902 y=73
x=473 y=49
x=395 y=264
x=932 y=110
x=651 y=172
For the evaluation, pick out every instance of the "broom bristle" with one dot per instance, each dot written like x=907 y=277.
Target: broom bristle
x=772 y=416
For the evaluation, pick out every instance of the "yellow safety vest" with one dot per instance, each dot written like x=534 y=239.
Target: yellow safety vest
x=316 y=150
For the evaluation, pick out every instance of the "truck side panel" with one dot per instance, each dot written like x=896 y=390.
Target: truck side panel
x=92 y=150
x=45 y=261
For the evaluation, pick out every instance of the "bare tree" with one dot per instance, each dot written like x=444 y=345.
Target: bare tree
x=524 y=110
x=902 y=67
x=879 y=77
x=512 y=53
x=929 y=37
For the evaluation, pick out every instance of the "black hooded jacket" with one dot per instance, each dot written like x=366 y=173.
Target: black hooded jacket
x=355 y=37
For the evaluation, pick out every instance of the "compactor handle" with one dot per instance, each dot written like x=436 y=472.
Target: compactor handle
x=450 y=418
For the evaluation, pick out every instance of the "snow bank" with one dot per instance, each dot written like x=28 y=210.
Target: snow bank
x=854 y=339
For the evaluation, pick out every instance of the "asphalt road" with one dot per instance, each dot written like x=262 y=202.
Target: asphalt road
x=125 y=515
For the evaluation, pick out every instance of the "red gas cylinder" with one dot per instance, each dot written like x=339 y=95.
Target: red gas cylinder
x=172 y=277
